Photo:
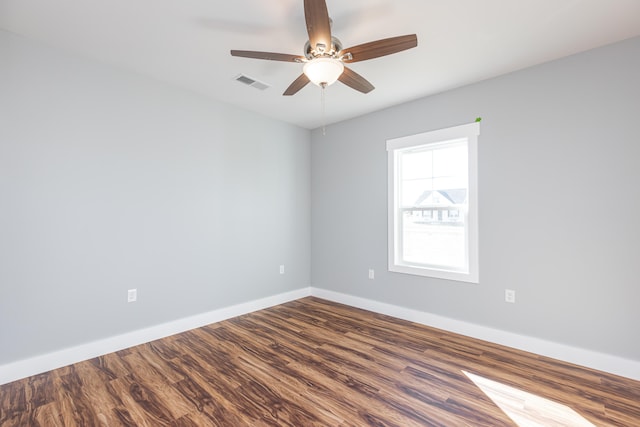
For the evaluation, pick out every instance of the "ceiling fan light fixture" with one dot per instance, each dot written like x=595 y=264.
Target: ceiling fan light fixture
x=323 y=71
x=323 y=54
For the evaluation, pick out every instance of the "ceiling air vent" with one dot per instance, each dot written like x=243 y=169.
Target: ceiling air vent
x=251 y=82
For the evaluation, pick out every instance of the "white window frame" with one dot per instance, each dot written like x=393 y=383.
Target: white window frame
x=469 y=132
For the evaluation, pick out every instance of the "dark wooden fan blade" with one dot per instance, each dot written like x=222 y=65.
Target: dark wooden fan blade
x=318 y=24
x=267 y=55
x=355 y=81
x=297 y=84
x=379 y=48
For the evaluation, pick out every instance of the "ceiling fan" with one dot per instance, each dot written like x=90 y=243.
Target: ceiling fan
x=324 y=56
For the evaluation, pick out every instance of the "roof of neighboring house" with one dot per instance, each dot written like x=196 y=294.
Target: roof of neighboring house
x=453 y=196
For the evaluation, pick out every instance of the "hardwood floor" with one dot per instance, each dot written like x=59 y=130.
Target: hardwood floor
x=315 y=363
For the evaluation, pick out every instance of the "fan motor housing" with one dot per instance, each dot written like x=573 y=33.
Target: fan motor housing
x=336 y=46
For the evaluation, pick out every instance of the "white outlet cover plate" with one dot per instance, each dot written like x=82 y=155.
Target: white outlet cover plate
x=510 y=296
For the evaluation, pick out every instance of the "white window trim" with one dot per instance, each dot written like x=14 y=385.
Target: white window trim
x=470 y=132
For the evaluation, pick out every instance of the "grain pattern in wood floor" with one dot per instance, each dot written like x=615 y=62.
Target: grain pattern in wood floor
x=312 y=362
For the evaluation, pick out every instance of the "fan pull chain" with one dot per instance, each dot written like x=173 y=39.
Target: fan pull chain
x=323 y=86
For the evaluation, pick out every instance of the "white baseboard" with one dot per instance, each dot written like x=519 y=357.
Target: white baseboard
x=36 y=365
x=600 y=361
x=578 y=356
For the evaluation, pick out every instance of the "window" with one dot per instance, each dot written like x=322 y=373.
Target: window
x=433 y=203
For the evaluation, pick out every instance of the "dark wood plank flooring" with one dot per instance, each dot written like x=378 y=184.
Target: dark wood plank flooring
x=316 y=363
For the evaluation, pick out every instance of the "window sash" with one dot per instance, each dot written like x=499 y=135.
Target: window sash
x=402 y=257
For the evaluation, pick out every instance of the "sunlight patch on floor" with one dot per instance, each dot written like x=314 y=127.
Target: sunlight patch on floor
x=527 y=409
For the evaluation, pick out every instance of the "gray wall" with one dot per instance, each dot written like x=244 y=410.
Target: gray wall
x=559 y=206
x=110 y=181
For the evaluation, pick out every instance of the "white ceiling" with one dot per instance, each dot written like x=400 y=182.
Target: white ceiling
x=187 y=42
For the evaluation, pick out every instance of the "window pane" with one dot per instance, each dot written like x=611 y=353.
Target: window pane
x=433 y=187
x=437 y=241
x=413 y=190
x=451 y=162
x=416 y=164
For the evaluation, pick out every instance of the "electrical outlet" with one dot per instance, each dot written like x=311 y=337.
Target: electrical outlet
x=372 y=274
x=510 y=296
x=132 y=295
x=282 y=269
